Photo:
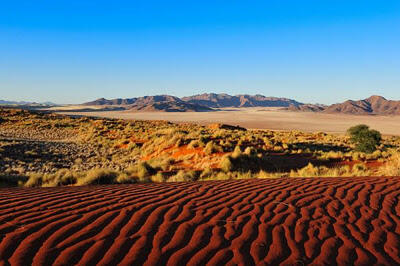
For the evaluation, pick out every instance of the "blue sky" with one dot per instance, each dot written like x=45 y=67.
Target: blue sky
x=313 y=51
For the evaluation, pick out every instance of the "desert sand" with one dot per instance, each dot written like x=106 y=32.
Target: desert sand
x=265 y=118
x=297 y=221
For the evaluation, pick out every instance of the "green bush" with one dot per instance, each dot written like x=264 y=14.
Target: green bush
x=365 y=139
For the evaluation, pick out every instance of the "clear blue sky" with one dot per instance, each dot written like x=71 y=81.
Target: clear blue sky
x=313 y=51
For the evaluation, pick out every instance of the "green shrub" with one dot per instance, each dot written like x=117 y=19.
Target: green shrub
x=365 y=139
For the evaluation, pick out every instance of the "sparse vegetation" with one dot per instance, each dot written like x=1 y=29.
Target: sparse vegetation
x=39 y=149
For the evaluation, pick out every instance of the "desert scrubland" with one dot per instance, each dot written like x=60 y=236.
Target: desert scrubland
x=47 y=149
x=261 y=118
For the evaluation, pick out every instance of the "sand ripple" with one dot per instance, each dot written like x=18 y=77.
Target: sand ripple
x=345 y=221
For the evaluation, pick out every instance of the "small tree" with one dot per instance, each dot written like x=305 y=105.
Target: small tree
x=365 y=139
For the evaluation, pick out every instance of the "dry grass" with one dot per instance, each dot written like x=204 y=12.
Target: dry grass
x=158 y=151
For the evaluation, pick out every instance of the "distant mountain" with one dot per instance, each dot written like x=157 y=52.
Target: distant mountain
x=138 y=101
x=373 y=105
x=23 y=103
x=2 y=102
x=196 y=103
x=157 y=103
x=165 y=103
x=118 y=101
x=242 y=100
x=170 y=106
x=205 y=102
x=306 y=108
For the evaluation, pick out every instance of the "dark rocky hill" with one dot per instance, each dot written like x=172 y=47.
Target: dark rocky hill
x=242 y=100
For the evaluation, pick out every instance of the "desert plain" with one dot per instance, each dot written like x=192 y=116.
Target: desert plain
x=258 y=118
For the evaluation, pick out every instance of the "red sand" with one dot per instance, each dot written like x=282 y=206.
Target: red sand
x=321 y=221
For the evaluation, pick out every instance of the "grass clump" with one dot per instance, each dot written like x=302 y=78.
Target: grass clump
x=34 y=180
x=182 y=176
x=158 y=178
x=211 y=148
x=227 y=164
x=98 y=176
x=392 y=168
x=144 y=171
x=237 y=152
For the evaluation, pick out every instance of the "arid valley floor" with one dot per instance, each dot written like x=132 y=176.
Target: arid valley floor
x=264 y=118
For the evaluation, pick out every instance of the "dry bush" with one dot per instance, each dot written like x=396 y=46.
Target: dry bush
x=183 y=176
x=98 y=176
x=34 y=180
x=227 y=164
x=237 y=152
x=392 y=168
x=323 y=171
x=159 y=177
x=206 y=173
x=211 y=148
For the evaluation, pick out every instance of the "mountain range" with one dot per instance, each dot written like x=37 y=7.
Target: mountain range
x=23 y=103
x=211 y=101
x=374 y=105
x=198 y=103
x=214 y=100
x=161 y=103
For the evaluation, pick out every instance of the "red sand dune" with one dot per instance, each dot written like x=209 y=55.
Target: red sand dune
x=322 y=221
